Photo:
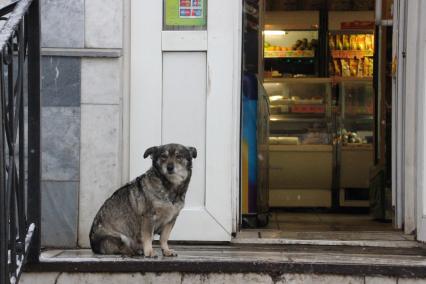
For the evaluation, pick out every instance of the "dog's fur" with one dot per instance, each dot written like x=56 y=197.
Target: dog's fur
x=150 y=204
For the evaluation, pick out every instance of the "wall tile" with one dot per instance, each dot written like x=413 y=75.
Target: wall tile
x=411 y=281
x=104 y=23
x=62 y=23
x=100 y=278
x=39 y=278
x=101 y=81
x=320 y=278
x=60 y=143
x=59 y=214
x=61 y=81
x=239 y=278
x=99 y=164
x=380 y=280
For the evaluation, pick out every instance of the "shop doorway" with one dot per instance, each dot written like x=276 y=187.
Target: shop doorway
x=317 y=120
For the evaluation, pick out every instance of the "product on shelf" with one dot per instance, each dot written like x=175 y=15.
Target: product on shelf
x=346 y=44
x=353 y=67
x=349 y=137
x=369 y=42
x=362 y=42
x=345 y=68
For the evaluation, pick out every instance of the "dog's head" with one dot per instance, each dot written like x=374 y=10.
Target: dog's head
x=174 y=161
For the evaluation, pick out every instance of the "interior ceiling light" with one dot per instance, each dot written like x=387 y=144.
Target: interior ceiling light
x=275 y=98
x=275 y=32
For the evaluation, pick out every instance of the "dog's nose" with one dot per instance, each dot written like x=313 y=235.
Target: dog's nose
x=170 y=168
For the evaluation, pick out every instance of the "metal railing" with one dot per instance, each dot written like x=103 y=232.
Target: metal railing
x=19 y=137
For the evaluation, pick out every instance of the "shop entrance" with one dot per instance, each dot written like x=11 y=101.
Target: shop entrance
x=316 y=119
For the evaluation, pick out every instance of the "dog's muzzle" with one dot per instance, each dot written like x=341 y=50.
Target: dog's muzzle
x=170 y=168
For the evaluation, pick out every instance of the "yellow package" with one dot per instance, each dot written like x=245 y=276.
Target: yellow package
x=353 y=42
x=339 y=42
x=346 y=72
x=370 y=67
x=360 y=42
x=369 y=42
x=337 y=68
x=353 y=67
x=346 y=42
x=360 y=72
x=365 y=67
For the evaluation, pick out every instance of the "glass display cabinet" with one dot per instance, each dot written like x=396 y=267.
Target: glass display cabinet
x=290 y=53
x=301 y=142
x=356 y=141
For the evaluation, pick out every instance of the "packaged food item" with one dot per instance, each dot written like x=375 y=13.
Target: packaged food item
x=353 y=67
x=337 y=67
x=331 y=42
x=346 y=42
x=369 y=42
x=339 y=42
x=360 y=72
x=353 y=42
x=370 y=67
x=346 y=72
x=365 y=67
x=360 y=42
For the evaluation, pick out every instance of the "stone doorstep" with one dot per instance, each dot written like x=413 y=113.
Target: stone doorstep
x=266 y=259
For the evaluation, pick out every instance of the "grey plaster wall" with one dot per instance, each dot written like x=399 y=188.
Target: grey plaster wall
x=81 y=116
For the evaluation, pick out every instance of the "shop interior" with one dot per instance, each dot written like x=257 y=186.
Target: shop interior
x=316 y=118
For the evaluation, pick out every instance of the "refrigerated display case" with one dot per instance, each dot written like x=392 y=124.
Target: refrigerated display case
x=290 y=53
x=301 y=149
x=356 y=137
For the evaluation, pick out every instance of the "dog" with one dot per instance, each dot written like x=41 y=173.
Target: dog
x=127 y=221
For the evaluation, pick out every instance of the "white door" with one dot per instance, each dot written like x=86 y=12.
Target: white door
x=185 y=89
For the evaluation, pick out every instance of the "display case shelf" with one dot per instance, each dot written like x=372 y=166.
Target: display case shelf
x=289 y=54
x=349 y=54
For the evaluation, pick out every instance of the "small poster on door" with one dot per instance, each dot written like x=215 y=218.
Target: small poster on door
x=184 y=13
x=190 y=9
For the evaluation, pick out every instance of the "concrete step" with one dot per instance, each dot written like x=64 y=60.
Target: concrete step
x=271 y=260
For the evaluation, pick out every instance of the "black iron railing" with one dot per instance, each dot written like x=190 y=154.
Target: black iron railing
x=19 y=137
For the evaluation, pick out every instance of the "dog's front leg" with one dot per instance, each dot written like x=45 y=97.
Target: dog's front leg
x=147 y=236
x=164 y=237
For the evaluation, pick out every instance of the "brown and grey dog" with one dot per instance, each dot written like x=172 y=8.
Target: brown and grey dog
x=148 y=205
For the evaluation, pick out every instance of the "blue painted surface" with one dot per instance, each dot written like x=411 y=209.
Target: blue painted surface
x=249 y=136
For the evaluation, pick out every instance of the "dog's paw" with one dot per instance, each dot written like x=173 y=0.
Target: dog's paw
x=169 y=253
x=150 y=254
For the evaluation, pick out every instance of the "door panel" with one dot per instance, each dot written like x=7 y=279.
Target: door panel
x=184 y=112
x=185 y=88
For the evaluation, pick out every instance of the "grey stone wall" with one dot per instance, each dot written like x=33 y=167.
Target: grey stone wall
x=81 y=114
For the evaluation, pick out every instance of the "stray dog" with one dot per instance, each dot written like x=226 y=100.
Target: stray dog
x=148 y=205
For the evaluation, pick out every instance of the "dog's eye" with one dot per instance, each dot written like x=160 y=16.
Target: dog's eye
x=179 y=157
x=163 y=156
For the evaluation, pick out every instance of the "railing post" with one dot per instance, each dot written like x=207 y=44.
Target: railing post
x=34 y=127
x=4 y=275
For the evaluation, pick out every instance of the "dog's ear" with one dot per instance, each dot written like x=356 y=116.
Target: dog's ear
x=193 y=152
x=150 y=152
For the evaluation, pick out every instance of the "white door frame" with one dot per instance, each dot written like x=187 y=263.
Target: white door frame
x=222 y=42
x=420 y=126
x=408 y=141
